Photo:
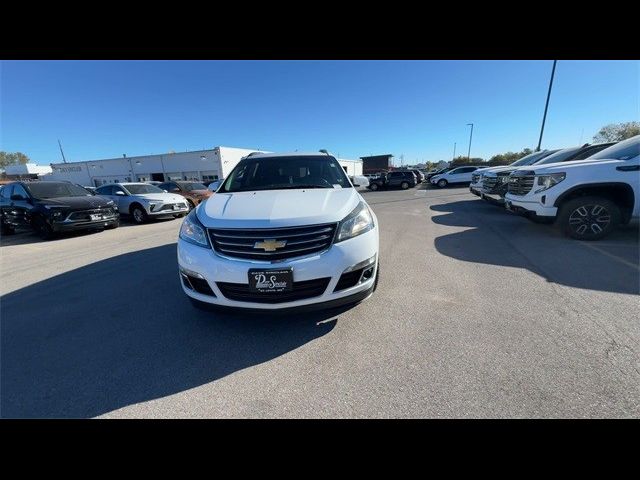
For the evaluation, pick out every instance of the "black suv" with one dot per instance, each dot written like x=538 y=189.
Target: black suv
x=395 y=179
x=50 y=207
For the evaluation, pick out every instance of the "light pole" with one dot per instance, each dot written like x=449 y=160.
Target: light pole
x=470 y=137
x=454 y=151
x=546 y=105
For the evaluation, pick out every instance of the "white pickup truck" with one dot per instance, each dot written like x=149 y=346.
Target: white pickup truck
x=586 y=198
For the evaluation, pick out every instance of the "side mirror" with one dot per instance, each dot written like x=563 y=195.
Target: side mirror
x=121 y=193
x=18 y=198
x=165 y=191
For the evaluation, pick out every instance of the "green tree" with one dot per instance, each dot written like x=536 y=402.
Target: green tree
x=7 y=158
x=508 y=157
x=616 y=132
x=460 y=160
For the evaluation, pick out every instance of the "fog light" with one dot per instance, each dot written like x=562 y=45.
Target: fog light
x=358 y=266
x=191 y=273
x=367 y=274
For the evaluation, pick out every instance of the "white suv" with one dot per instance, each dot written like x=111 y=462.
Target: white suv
x=586 y=198
x=283 y=231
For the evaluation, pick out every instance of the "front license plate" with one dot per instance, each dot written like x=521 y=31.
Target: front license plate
x=270 y=281
x=96 y=217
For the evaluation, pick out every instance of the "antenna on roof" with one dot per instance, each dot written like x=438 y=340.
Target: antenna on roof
x=64 y=160
x=322 y=150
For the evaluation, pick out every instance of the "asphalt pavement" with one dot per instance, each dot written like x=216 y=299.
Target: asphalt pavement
x=478 y=313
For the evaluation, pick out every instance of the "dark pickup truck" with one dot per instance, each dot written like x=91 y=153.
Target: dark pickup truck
x=401 y=180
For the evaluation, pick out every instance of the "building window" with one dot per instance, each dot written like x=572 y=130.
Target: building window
x=209 y=178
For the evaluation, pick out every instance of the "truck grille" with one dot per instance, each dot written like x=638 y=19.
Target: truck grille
x=475 y=178
x=300 y=290
x=520 y=184
x=489 y=183
x=86 y=214
x=255 y=244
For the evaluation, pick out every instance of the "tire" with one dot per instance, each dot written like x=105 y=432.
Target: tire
x=404 y=185
x=111 y=227
x=588 y=218
x=442 y=183
x=6 y=229
x=191 y=204
x=138 y=215
x=374 y=187
x=42 y=229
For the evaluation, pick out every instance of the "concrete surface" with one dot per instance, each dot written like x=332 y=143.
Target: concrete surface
x=478 y=314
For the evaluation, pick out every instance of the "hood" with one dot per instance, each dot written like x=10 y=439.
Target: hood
x=206 y=193
x=504 y=168
x=87 y=202
x=277 y=208
x=563 y=166
x=160 y=197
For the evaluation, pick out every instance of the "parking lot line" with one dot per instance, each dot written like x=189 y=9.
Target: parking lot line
x=611 y=255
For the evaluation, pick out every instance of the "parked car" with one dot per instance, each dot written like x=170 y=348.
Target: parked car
x=359 y=181
x=433 y=173
x=143 y=201
x=194 y=192
x=477 y=177
x=418 y=174
x=396 y=179
x=49 y=207
x=454 y=176
x=153 y=182
x=494 y=184
x=586 y=198
x=288 y=231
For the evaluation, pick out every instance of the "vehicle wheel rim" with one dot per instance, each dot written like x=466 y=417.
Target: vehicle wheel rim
x=589 y=220
x=405 y=186
x=442 y=183
x=137 y=215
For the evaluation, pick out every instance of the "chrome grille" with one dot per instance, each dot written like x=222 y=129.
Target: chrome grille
x=489 y=183
x=299 y=241
x=520 y=184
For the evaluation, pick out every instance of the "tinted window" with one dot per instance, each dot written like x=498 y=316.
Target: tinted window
x=56 y=190
x=587 y=152
x=19 y=190
x=532 y=158
x=105 y=190
x=560 y=156
x=277 y=173
x=6 y=191
x=625 y=150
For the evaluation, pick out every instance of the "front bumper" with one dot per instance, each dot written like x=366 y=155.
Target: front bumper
x=329 y=264
x=476 y=189
x=530 y=205
x=158 y=212
x=68 y=226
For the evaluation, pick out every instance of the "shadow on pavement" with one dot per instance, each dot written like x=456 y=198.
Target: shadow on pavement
x=121 y=331
x=497 y=237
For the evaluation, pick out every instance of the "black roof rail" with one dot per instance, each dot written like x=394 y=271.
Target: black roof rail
x=252 y=153
x=323 y=150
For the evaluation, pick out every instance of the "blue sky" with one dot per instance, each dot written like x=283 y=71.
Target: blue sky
x=102 y=109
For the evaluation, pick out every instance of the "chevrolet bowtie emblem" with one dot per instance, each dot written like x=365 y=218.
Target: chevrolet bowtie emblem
x=270 y=245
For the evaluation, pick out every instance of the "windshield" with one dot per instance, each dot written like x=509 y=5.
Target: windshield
x=135 y=189
x=531 y=158
x=625 y=150
x=56 y=190
x=279 y=173
x=192 y=186
x=560 y=156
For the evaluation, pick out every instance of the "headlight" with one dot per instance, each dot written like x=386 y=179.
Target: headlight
x=504 y=178
x=192 y=231
x=359 y=221
x=548 y=181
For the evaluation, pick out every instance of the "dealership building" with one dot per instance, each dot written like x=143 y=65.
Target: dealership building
x=199 y=165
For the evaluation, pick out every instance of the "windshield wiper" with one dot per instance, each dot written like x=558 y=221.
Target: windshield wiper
x=304 y=185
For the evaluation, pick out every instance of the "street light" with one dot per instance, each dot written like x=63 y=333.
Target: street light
x=454 y=151
x=470 y=137
x=546 y=105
